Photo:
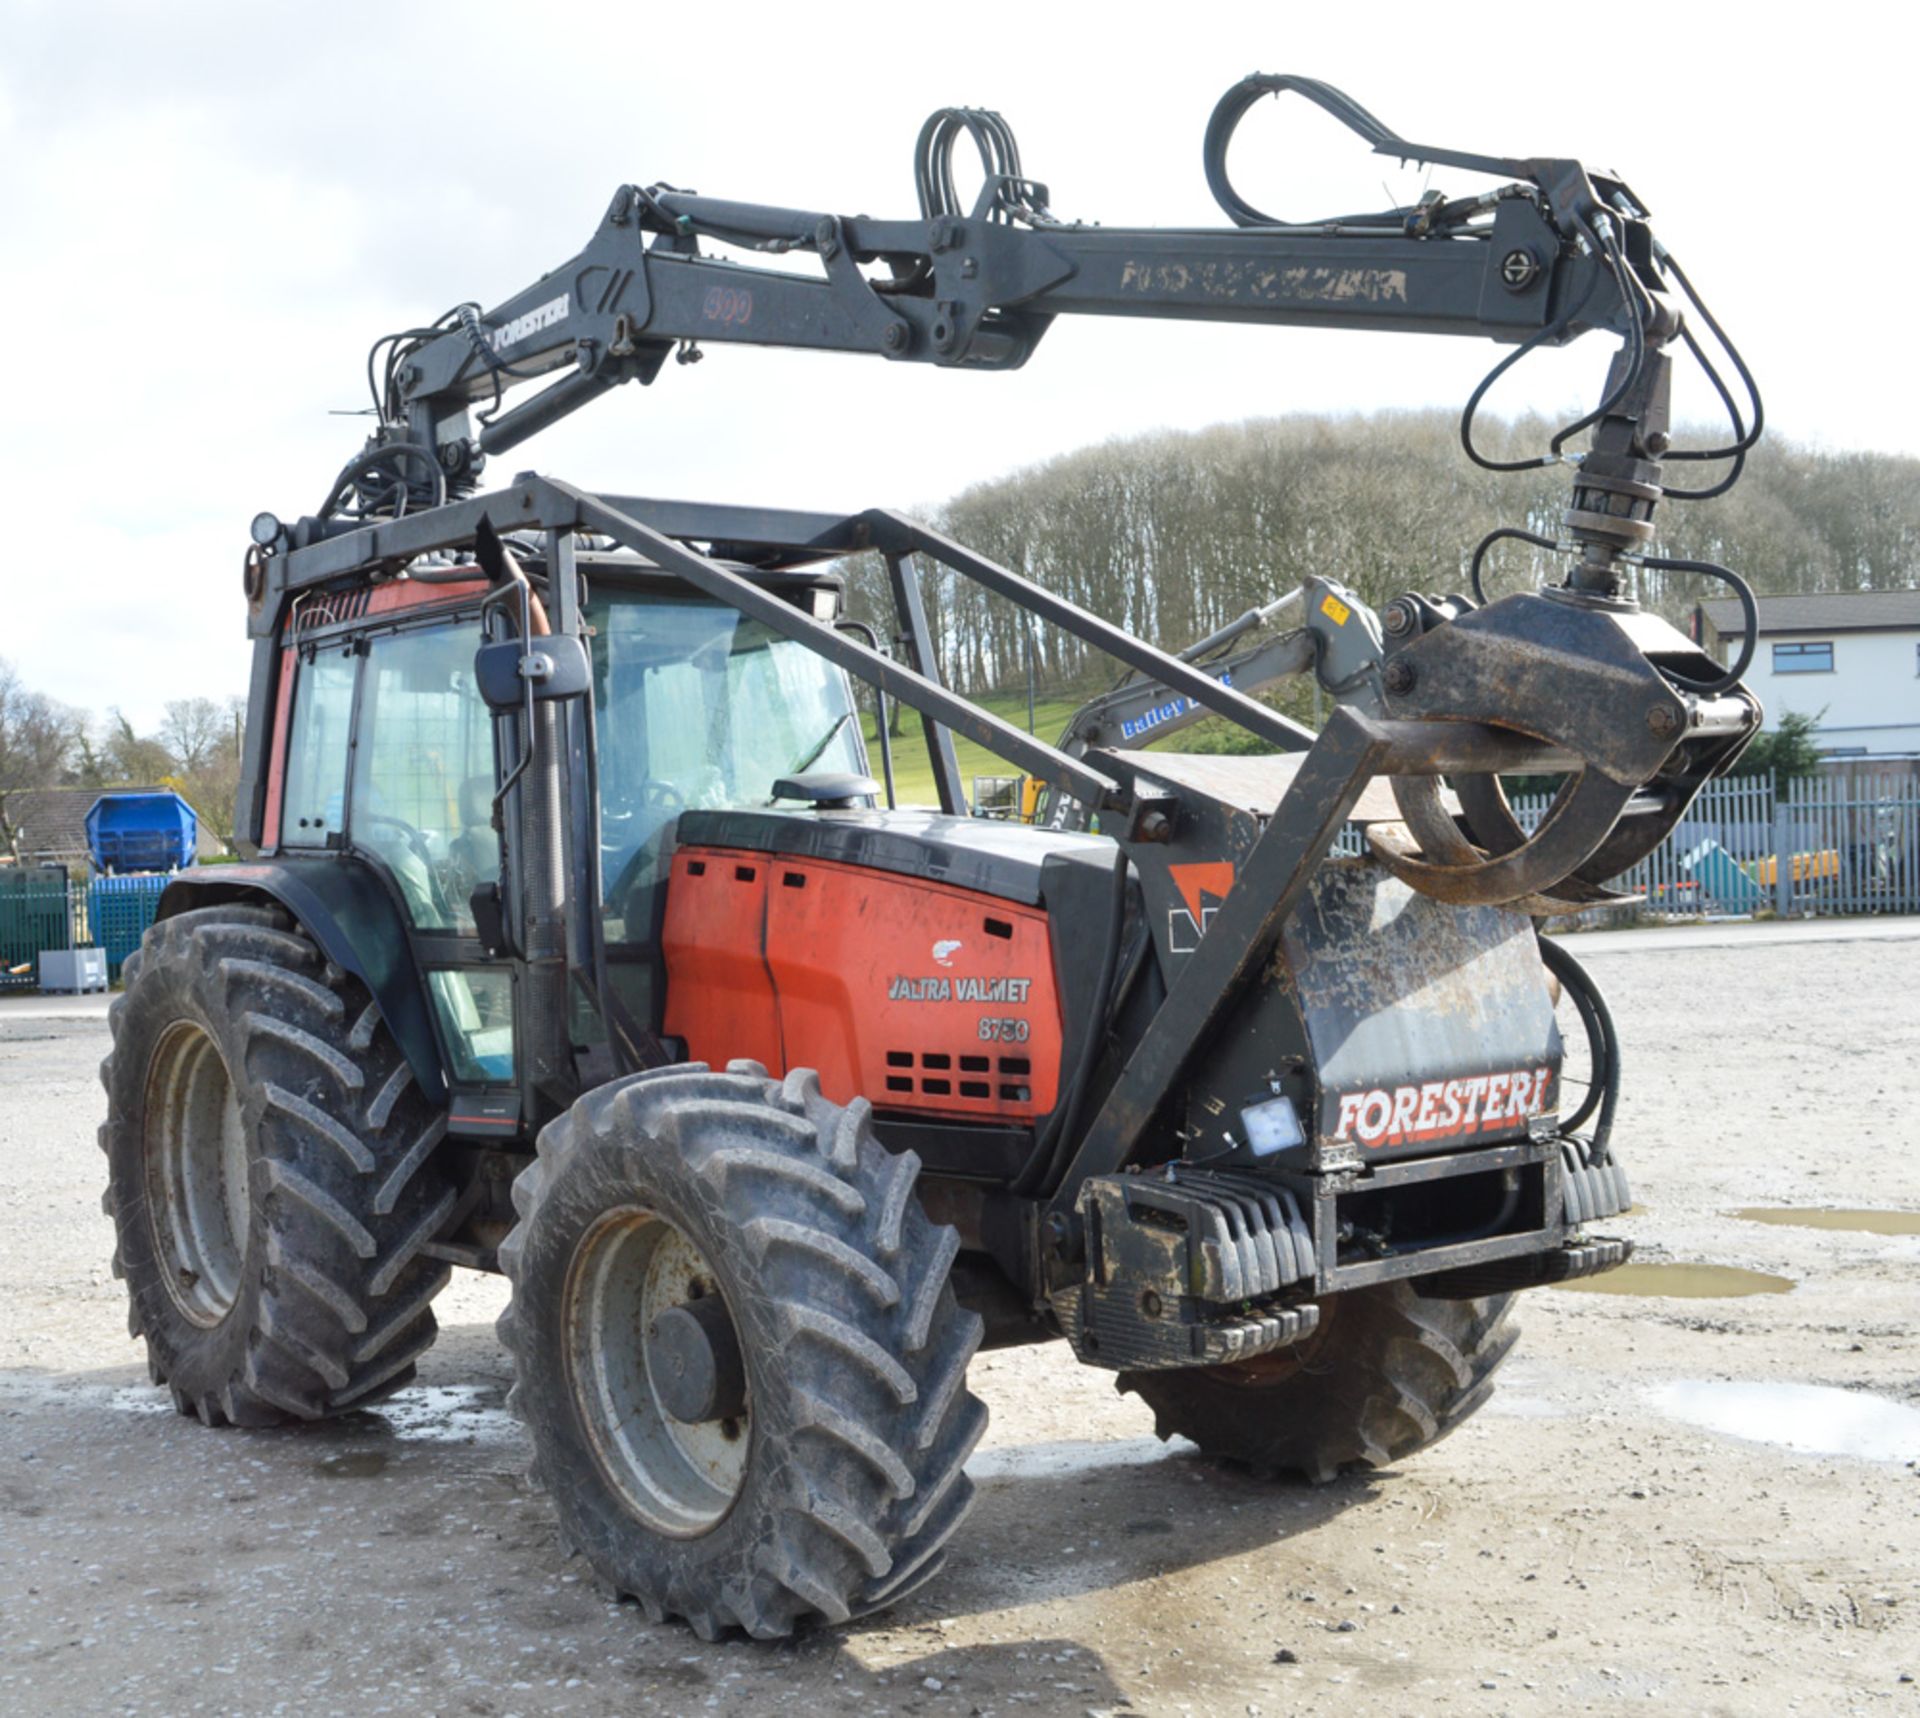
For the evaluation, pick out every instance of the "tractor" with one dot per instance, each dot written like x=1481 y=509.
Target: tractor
x=574 y=939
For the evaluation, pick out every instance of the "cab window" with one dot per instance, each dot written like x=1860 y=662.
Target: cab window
x=423 y=774
x=476 y=1016
x=698 y=706
x=313 y=806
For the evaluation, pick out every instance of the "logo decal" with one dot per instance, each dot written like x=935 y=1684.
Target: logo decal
x=937 y=989
x=1442 y=1109
x=1196 y=883
x=943 y=952
x=1134 y=726
x=539 y=317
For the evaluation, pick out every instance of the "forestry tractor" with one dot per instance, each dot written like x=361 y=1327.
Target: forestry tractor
x=575 y=941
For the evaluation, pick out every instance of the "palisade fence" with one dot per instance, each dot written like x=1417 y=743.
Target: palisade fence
x=1844 y=841
x=42 y=910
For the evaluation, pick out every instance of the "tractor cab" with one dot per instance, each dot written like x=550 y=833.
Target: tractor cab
x=388 y=753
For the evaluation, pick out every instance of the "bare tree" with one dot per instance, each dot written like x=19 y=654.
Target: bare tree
x=212 y=782
x=36 y=734
x=1173 y=534
x=193 y=729
x=132 y=759
x=38 y=740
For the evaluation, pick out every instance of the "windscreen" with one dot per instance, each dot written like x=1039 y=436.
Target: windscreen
x=698 y=706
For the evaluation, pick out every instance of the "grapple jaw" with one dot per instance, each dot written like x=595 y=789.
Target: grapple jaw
x=1603 y=684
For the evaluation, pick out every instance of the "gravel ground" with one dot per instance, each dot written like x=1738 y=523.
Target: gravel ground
x=1590 y=1540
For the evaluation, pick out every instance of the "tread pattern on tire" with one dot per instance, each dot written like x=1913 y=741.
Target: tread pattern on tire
x=848 y=1279
x=1394 y=1374
x=334 y=1305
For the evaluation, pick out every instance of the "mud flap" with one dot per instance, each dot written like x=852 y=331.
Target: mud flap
x=1431 y=1026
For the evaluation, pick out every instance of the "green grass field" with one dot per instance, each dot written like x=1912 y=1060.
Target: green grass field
x=913 y=768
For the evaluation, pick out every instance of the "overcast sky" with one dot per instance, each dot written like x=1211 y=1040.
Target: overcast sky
x=209 y=211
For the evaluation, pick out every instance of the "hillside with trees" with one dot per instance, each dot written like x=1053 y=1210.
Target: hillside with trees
x=1175 y=534
x=1172 y=535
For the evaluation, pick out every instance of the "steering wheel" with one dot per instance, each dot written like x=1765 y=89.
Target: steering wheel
x=416 y=845
x=415 y=841
x=661 y=797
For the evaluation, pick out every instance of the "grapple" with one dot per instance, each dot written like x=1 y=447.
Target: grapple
x=1614 y=691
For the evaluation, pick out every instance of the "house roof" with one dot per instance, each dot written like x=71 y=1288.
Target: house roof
x=50 y=823
x=1822 y=611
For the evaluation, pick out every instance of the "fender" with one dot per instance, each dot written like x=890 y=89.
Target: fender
x=341 y=905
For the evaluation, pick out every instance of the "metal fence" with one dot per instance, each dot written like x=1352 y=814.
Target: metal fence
x=119 y=909
x=43 y=911
x=36 y=913
x=1846 y=841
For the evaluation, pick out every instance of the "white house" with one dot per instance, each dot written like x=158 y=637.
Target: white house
x=1851 y=658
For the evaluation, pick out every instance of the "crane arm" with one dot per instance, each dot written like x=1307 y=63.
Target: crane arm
x=1550 y=254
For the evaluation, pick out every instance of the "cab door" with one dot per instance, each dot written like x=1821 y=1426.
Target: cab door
x=420 y=808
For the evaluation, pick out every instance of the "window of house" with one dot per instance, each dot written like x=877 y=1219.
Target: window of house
x=1803 y=658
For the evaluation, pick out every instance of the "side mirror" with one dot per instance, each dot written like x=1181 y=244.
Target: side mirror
x=829 y=790
x=553 y=667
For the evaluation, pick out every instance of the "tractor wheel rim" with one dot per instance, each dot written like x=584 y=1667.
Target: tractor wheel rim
x=198 y=1195
x=680 y=1478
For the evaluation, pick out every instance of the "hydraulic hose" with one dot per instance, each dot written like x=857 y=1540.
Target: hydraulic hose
x=1603 y=1044
x=1749 y=609
x=1487 y=542
x=374 y=456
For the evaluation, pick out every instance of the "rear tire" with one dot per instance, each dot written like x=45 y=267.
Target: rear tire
x=832 y=1480
x=270 y=1174
x=1386 y=1374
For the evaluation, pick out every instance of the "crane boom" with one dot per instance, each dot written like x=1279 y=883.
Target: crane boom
x=1549 y=254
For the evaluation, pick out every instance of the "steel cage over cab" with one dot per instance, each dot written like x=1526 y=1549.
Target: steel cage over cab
x=1034 y=1213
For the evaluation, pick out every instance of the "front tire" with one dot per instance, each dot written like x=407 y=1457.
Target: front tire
x=1386 y=1374
x=813 y=1468
x=270 y=1174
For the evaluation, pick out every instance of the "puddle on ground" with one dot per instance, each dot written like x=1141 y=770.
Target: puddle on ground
x=356 y=1464
x=32 y=1390
x=1517 y=1405
x=135 y=1399
x=1810 y=1418
x=1057 y=1460
x=1682 y=1282
x=1852 y=1222
x=448 y=1414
